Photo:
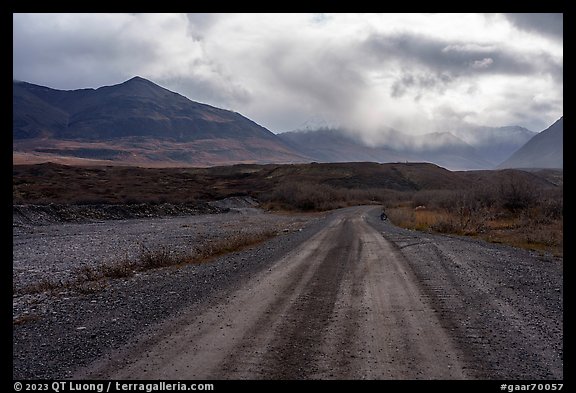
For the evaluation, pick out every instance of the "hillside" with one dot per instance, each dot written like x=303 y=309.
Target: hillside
x=135 y=122
x=544 y=150
x=139 y=123
x=53 y=183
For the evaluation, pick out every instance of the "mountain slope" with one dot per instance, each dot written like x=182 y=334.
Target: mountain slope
x=333 y=145
x=445 y=149
x=137 y=122
x=336 y=145
x=33 y=117
x=544 y=150
x=53 y=183
x=495 y=144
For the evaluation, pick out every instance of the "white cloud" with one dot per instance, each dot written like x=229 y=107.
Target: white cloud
x=484 y=63
x=416 y=72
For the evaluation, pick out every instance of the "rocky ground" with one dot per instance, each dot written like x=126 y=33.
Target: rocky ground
x=56 y=333
x=52 y=243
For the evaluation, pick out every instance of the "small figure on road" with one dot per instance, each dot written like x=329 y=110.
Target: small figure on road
x=383 y=216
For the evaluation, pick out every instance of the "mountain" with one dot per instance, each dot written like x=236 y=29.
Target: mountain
x=446 y=150
x=140 y=123
x=335 y=145
x=136 y=122
x=544 y=150
x=494 y=144
x=338 y=145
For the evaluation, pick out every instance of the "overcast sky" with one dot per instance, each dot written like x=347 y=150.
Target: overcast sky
x=414 y=72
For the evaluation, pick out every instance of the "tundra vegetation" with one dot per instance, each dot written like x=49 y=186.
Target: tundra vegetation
x=516 y=207
x=510 y=210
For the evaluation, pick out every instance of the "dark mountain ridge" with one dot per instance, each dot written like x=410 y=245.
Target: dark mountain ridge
x=136 y=107
x=148 y=122
x=495 y=144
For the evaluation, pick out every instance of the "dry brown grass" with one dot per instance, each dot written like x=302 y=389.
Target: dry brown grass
x=547 y=237
x=402 y=216
x=518 y=231
x=512 y=210
x=43 y=285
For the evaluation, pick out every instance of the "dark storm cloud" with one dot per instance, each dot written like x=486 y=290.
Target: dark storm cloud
x=422 y=82
x=67 y=61
x=549 y=24
x=443 y=56
x=442 y=62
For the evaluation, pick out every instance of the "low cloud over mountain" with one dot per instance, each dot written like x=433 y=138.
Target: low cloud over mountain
x=140 y=123
x=470 y=148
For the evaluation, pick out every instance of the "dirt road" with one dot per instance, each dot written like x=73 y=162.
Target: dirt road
x=345 y=304
x=347 y=297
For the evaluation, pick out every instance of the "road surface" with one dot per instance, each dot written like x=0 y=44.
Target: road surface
x=347 y=303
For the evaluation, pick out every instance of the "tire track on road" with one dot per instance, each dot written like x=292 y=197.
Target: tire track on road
x=343 y=305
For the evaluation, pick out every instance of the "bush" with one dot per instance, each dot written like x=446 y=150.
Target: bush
x=308 y=196
x=445 y=226
x=402 y=216
x=156 y=258
x=516 y=194
x=552 y=205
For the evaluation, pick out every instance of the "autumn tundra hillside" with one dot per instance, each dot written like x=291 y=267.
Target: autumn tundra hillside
x=490 y=204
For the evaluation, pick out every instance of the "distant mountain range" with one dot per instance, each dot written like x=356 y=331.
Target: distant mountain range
x=473 y=148
x=140 y=123
x=544 y=150
x=494 y=144
x=136 y=122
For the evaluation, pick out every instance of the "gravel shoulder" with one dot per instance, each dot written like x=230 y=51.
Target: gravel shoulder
x=55 y=251
x=502 y=305
x=60 y=333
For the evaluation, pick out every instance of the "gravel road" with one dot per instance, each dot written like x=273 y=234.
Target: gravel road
x=345 y=297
